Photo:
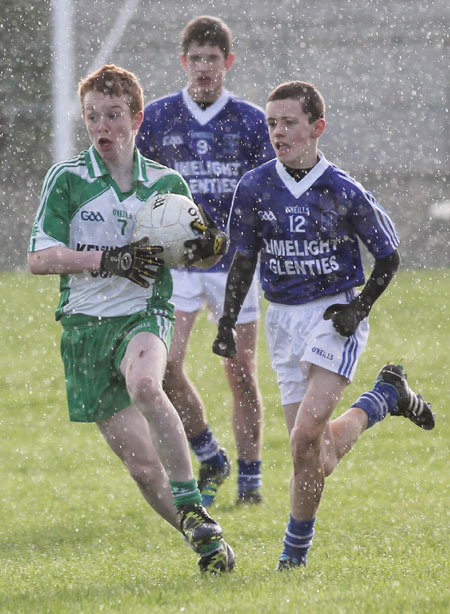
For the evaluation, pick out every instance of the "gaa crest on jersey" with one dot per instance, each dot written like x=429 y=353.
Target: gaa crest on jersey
x=172 y=139
x=329 y=221
x=92 y=216
x=267 y=216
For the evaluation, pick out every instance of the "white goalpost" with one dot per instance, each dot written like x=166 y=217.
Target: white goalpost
x=65 y=103
x=63 y=78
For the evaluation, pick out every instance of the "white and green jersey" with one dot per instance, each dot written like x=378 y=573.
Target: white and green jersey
x=82 y=208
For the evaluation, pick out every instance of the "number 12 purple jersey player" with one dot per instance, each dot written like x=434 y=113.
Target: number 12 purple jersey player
x=305 y=218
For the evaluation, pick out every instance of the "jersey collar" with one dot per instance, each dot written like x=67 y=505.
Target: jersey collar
x=139 y=170
x=97 y=168
x=203 y=116
x=297 y=188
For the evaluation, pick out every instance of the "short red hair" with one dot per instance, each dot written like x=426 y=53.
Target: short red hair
x=113 y=80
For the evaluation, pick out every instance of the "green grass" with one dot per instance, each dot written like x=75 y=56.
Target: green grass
x=75 y=535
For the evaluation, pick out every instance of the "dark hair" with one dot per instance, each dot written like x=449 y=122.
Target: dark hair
x=112 y=80
x=310 y=98
x=206 y=30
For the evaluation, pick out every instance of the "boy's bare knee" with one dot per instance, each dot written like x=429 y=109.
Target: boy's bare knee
x=305 y=444
x=145 y=474
x=145 y=390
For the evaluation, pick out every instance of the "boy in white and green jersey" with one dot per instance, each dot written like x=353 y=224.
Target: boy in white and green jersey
x=97 y=217
x=115 y=306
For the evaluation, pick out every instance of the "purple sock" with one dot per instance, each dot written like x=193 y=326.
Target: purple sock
x=298 y=538
x=249 y=475
x=378 y=402
x=206 y=448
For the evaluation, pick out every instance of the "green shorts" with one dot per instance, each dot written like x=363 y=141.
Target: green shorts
x=92 y=350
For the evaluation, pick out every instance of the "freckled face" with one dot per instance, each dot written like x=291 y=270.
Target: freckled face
x=292 y=136
x=110 y=124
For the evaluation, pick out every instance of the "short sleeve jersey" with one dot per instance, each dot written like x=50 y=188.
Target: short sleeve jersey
x=308 y=232
x=210 y=148
x=83 y=209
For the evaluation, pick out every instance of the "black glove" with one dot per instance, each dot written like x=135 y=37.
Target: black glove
x=225 y=342
x=346 y=318
x=212 y=242
x=133 y=261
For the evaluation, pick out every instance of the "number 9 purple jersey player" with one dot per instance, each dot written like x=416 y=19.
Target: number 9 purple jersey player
x=212 y=138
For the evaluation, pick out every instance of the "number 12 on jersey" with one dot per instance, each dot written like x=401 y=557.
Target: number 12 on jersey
x=297 y=223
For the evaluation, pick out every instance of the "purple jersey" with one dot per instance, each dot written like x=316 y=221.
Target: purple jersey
x=307 y=232
x=211 y=148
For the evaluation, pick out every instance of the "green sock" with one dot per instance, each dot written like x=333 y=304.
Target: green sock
x=185 y=493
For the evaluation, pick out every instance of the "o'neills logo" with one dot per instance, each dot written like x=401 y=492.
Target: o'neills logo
x=322 y=353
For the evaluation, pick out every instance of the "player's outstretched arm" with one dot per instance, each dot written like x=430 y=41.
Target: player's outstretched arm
x=60 y=260
x=238 y=282
x=135 y=261
x=346 y=318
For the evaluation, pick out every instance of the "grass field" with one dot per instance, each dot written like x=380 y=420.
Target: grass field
x=75 y=535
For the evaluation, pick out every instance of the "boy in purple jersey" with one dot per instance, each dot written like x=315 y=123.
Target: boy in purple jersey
x=304 y=216
x=212 y=138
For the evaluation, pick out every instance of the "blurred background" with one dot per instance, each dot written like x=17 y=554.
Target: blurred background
x=382 y=66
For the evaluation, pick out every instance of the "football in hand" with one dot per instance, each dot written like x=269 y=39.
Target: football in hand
x=166 y=220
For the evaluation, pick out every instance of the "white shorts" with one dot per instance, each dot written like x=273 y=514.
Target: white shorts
x=192 y=290
x=297 y=336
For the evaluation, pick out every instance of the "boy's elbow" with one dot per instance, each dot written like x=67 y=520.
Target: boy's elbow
x=35 y=264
